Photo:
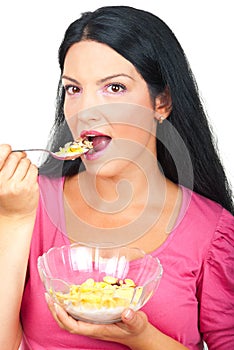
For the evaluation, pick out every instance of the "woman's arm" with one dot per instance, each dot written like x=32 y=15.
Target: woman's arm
x=134 y=331
x=150 y=338
x=18 y=203
x=215 y=289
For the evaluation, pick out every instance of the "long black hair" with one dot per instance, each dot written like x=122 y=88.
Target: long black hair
x=150 y=45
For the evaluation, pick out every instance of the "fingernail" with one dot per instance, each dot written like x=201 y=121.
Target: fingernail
x=47 y=298
x=128 y=314
x=56 y=307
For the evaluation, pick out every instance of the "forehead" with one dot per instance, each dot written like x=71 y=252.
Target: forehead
x=93 y=57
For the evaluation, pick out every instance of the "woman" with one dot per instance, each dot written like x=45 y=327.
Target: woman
x=124 y=81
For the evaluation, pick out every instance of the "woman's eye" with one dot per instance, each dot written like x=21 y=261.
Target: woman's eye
x=72 y=90
x=115 y=88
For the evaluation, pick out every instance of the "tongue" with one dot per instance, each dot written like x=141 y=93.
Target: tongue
x=100 y=142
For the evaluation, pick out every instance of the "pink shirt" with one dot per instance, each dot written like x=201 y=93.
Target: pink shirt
x=194 y=300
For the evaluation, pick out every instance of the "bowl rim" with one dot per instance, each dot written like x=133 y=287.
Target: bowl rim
x=41 y=258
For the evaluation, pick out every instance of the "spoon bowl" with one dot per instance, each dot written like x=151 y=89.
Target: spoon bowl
x=70 y=151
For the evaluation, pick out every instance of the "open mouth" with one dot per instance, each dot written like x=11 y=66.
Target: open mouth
x=99 y=141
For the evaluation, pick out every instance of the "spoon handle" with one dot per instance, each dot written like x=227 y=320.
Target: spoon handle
x=32 y=150
x=54 y=155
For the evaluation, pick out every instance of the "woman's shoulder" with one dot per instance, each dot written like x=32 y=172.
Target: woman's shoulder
x=205 y=217
x=215 y=282
x=203 y=208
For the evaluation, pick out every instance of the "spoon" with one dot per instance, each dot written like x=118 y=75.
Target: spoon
x=69 y=156
x=70 y=151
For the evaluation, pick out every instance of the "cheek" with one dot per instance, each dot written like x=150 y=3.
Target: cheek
x=66 y=109
x=142 y=97
x=71 y=117
x=70 y=108
x=133 y=133
x=136 y=122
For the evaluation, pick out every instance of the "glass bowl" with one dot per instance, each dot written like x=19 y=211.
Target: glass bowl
x=95 y=284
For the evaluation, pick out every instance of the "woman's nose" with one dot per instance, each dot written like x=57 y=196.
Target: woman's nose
x=90 y=118
x=89 y=99
x=90 y=114
x=85 y=106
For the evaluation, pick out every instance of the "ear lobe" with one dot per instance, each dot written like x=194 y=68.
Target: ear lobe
x=163 y=104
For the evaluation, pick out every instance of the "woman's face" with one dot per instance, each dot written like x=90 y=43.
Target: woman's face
x=107 y=98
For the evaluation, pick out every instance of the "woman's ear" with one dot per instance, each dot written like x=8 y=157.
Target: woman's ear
x=163 y=105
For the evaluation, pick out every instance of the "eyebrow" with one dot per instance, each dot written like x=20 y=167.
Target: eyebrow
x=101 y=81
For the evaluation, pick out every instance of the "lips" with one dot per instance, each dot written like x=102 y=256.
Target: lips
x=100 y=141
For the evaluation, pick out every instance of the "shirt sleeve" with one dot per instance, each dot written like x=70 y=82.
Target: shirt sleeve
x=216 y=288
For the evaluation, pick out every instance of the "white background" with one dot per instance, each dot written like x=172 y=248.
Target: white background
x=31 y=32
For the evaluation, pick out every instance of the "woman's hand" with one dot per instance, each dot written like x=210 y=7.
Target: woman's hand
x=131 y=331
x=18 y=184
x=134 y=331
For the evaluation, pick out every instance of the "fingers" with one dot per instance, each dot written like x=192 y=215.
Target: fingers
x=15 y=165
x=64 y=320
x=9 y=161
x=126 y=332
x=32 y=174
x=51 y=306
x=21 y=169
x=135 y=321
x=5 y=150
x=19 y=191
x=25 y=171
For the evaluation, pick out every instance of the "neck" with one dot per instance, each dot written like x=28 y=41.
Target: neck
x=135 y=186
